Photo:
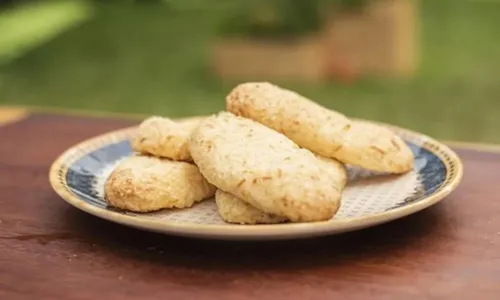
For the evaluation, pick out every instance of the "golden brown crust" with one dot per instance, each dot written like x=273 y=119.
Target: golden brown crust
x=146 y=183
x=323 y=131
x=265 y=168
x=163 y=137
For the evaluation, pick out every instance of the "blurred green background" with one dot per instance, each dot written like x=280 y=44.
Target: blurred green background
x=148 y=57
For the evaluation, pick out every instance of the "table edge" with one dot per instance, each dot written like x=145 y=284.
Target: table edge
x=19 y=112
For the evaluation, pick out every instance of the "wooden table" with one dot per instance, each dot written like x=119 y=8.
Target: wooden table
x=50 y=250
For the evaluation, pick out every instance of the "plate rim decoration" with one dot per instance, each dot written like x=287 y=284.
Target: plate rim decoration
x=59 y=169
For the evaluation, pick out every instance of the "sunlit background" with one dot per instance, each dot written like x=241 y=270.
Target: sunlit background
x=430 y=65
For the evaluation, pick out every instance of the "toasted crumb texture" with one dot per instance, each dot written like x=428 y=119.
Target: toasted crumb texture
x=234 y=210
x=163 y=137
x=146 y=183
x=321 y=130
x=264 y=168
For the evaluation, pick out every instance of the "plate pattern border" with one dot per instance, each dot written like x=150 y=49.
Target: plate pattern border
x=59 y=170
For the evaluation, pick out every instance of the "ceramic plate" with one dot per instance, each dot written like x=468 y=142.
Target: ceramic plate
x=369 y=199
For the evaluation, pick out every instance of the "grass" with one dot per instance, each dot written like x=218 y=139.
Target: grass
x=147 y=59
x=31 y=25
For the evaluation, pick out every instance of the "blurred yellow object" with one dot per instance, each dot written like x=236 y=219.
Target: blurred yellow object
x=381 y=40
x=12 y=114
x=247 y=59
x=30 y=25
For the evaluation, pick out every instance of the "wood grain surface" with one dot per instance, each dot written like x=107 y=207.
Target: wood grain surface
x=50 y=250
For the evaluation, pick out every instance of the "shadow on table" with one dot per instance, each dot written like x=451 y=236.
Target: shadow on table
x=379 y=245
